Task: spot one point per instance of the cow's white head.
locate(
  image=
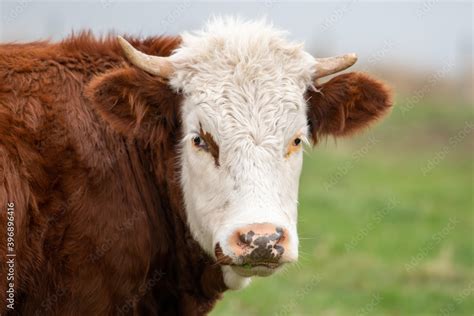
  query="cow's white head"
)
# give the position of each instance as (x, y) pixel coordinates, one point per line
(245, 123)
(250, 102)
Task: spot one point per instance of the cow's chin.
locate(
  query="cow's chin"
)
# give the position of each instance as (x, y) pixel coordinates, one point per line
(258, 270)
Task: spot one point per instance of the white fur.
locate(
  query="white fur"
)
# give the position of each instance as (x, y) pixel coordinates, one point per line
(233, 280)
(244, 83)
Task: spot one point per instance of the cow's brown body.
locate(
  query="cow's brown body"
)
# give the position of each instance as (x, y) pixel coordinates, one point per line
(99, 222)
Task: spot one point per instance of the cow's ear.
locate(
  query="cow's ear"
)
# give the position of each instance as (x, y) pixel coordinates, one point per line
(132, 102)
(346, 104)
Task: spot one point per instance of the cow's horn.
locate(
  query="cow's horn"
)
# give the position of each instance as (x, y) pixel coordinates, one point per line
(331, 65)
(155, 65)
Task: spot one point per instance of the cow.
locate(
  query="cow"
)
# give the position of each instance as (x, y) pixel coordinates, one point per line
(149, 176)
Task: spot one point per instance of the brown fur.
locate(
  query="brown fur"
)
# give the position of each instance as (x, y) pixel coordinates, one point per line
(346, 104)
(212, 145)
(100, 228)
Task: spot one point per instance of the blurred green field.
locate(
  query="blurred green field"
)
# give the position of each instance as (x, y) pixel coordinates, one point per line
(386, 223)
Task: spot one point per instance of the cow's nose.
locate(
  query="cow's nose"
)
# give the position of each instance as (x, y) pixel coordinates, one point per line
(261, 243)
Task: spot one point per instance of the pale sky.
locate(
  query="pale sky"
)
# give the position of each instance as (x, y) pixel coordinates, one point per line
(424, 34)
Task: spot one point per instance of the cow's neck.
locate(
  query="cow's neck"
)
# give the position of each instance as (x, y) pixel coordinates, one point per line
(185, 272)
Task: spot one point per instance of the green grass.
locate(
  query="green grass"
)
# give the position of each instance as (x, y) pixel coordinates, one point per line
(380, 233)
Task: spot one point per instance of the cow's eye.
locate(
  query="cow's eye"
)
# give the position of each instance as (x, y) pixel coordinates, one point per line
(199, 142)
(294, 146)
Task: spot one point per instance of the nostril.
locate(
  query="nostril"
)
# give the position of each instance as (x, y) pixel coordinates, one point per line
(279, 249)
(246, 238)
(278, 236)
(279, 231)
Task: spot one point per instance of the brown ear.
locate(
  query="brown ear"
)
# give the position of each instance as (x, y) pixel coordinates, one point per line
(134, 103)
(346, 104)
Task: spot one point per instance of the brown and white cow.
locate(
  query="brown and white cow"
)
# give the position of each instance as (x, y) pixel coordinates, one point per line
(147, 177)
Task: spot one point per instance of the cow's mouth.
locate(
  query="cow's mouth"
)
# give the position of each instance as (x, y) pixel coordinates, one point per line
(243, 267)
(257, 269)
